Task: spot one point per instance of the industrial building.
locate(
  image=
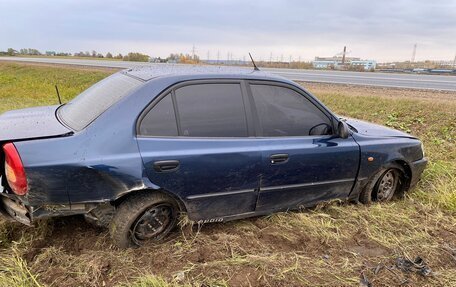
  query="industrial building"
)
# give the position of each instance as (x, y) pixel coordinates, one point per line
(341, 62)
(367, 64)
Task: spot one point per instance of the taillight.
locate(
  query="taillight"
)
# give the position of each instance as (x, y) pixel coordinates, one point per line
(14, 170)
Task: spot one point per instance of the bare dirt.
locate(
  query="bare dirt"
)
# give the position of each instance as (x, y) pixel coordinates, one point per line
(262, 251)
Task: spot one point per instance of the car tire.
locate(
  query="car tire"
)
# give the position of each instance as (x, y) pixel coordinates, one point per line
(143, 217)
(384, 185)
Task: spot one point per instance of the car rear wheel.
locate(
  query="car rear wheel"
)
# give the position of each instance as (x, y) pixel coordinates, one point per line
(382, 187)
(144, 217)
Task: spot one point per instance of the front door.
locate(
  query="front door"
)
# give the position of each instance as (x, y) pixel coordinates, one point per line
(195, 143)
(302, 161)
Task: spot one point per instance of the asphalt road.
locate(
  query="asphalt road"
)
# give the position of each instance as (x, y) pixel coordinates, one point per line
(412, 81)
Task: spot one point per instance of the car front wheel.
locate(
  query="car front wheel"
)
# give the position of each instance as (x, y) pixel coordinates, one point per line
(386, 183)
(144, 217)
(386, 186)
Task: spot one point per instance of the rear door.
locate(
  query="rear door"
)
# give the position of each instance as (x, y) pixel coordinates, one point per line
(195, 143)
(302, 161)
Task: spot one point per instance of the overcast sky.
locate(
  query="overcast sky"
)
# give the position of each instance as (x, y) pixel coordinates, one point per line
(383, 30)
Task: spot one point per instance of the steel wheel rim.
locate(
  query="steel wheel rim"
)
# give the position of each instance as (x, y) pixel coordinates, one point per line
(387, 185)
(154, 221)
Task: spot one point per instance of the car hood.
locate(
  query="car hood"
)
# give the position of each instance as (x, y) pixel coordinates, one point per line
(370, 129)
(39, 122)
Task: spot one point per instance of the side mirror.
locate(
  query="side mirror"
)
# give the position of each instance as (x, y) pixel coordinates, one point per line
(343, 130)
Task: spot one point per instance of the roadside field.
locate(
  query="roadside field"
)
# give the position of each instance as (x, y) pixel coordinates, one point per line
(334, 244)
(66, 57)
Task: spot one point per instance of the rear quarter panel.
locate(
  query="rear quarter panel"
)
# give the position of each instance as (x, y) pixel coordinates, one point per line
(100, 163)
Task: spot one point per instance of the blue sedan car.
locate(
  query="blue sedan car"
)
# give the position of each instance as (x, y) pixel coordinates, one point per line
(144, 145)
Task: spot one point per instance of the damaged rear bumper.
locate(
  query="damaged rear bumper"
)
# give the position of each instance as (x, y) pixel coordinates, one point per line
(12, 208)
(15, 210)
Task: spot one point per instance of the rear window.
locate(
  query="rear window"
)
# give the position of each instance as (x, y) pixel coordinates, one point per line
(91, 103)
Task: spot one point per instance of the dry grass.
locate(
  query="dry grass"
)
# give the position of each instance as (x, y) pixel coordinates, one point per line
(331, 245)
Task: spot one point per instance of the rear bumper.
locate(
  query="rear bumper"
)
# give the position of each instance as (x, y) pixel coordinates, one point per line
(417, 168)
(12, 208)
(15, 210)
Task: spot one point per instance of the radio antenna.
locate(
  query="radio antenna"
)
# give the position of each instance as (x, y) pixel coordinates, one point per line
(58, 94)
(253, 62)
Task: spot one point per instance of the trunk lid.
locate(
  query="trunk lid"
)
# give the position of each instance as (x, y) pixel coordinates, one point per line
(31, 123)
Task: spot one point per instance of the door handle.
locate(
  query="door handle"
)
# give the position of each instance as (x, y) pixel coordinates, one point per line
(166, 165)
(279, 158)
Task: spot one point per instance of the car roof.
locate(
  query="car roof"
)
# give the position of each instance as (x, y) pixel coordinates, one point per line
(154, 71)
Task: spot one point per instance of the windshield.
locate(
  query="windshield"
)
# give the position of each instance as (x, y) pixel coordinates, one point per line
(91, 103)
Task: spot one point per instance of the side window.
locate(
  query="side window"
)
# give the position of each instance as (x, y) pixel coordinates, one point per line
(211, 110)
(284, 112)
(160, 120)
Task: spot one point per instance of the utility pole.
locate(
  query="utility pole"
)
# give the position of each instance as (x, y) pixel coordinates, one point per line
(454, 62)
(290, 60)
(218, 56)
(208, 55)
(270, 58)
(343, 55)
(413, 54)
(193, 52)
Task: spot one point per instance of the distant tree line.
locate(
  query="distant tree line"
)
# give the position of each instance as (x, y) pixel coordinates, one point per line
(29, 51)
(181, 58)
(132, 56)
(137, 57)
(9, 52)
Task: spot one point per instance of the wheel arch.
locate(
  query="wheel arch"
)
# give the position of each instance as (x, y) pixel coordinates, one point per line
(400, 164)
(407, 172)
(178, 200)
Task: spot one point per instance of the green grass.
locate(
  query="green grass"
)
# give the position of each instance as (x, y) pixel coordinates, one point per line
(15, 272)
(24, 86)
(65, 57)
(331, 245)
